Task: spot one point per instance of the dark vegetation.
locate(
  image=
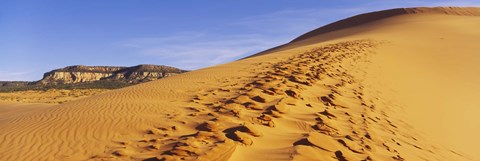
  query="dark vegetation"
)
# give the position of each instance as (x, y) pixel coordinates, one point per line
(102, 84)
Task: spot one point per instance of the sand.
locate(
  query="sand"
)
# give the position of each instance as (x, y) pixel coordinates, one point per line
(399, 88)
(51, 96)
(14, 109)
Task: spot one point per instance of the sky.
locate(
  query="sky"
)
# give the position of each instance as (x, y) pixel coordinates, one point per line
(37, 36)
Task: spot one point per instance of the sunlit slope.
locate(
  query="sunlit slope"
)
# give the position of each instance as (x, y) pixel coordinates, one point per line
(402, 87)
(430, 65)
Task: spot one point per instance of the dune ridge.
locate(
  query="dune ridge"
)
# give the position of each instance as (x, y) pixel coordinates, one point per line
(323, 33)
(375, 16)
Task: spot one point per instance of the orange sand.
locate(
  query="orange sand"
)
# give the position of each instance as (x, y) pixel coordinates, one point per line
(398, 88)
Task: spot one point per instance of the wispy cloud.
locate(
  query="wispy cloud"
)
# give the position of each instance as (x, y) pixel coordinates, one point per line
(200, 49)
(151, 41)
(294, 21)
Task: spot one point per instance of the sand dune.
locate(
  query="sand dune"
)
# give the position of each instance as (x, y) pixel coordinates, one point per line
(12, 109)
(401, 87)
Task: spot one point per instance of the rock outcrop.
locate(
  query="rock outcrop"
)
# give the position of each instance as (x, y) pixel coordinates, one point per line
(79, 76)
(82, 74)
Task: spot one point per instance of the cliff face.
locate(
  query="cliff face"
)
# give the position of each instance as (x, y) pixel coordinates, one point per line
(82, 74)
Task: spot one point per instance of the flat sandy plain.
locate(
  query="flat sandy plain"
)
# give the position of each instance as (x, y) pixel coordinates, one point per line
(400, 85)
(51, 96)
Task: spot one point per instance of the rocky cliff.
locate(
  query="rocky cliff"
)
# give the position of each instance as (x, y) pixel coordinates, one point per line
(82, 74)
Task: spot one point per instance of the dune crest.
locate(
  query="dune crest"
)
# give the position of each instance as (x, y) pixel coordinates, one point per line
(375, 16)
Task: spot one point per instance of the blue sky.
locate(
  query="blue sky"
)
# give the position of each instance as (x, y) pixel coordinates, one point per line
(40, 35)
